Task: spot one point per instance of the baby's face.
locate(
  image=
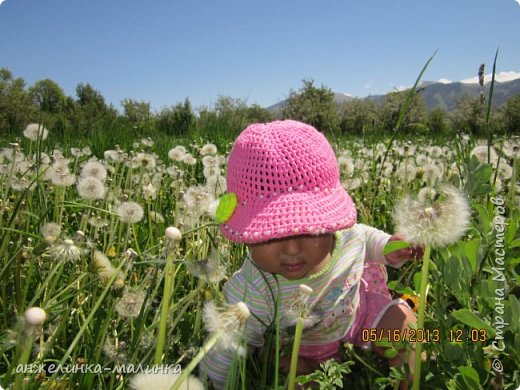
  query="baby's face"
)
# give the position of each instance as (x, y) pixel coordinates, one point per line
(293, 257)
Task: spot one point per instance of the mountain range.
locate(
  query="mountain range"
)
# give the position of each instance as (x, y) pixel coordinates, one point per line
(441, 95)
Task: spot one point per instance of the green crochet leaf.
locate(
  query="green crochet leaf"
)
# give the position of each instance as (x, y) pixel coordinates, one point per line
(226, 207)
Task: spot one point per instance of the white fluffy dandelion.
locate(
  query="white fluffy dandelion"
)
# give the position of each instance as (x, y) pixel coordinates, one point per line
(130, 304)
(145, 160)
(188, 159)
(209, 270)
(208, 149)
(198, 198)
(227, 323)
(177, 153)
(90, 188)
(149, 191)
(66, 251)
(130, 212)
(160, 379)
(50, 231)
(93, 168)
(172, 234)
(35, 316)
(436, 223)
(103, 266)
(211, 161)
(33, 130)
(216, 185)
(481, 153)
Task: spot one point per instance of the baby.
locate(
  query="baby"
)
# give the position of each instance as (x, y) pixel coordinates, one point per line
(299, 225)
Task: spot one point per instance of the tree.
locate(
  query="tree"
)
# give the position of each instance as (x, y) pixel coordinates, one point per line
(469, 116)
(437, 121)
(16, 106)
(137, 113)
(358, 116)
(48, 96)
(511, 116)
(312, 105)
(90, 110)
(413, 120)
(177, 120)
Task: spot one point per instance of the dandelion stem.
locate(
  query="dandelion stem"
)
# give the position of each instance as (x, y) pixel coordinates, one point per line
(294, 355)
(91, 315)
(195, 361)
(168, 282)
(24, 358)
(420, 320)
(277, 345)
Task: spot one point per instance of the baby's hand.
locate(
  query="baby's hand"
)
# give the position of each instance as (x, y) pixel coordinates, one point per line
(398, 256)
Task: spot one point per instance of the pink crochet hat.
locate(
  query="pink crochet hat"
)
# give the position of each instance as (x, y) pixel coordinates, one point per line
(286, 179)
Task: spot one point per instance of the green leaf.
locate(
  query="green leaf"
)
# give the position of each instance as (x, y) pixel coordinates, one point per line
(391, 353)
(470, 253)
(467, 317)
(470, 377)
(485, 220)
(514, 305)
(479, 177)
(515, 243)
(393, 246)
(399, 288)
(452, 351)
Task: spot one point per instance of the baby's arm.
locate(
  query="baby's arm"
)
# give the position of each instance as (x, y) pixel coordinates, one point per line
(375, 242)
(218, 361)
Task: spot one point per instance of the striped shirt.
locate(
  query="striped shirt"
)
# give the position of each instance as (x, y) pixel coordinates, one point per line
(332, 304)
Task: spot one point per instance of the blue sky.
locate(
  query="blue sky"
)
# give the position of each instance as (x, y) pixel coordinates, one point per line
(165, 51)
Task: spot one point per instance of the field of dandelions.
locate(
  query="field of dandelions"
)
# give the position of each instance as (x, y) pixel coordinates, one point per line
(116, 259)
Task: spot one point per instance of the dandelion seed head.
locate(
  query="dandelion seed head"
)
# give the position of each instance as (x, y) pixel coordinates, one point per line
(113, 155)
(147, 142)
(228, 321)
(145, 160)
(33, 129)
(481, 153)
(94, 168)
(172, 233)
(346, 164)
(505, 171)
(209, 269)
(211, 161)
(35, 316)
(208, 149)
(188, 159)
(210, 172)
(103, 266)
(90, 188)
(161, 379)
(197, 198)
(129, 305)
(63, 180)
(177, 153)
(130, 212)
(156, 217)
(98, 222)
(436, 223)
(50, 231)
(216, 185)
(66, 251)
(149, 192)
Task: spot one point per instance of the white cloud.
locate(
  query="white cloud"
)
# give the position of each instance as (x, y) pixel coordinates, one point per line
(518, 1)
(501, 77)
(402, 88)
(446, 81)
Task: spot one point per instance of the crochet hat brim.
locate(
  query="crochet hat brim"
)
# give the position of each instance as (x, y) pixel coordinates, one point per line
(290, 214)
